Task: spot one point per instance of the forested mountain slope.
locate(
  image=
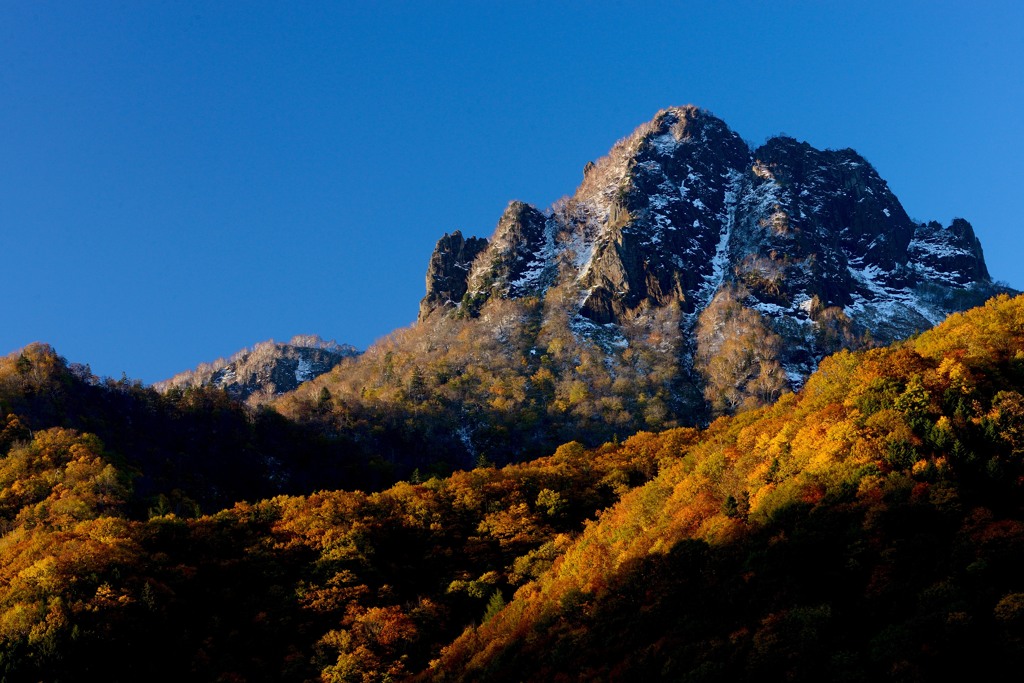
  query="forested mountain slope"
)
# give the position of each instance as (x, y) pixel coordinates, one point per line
(197, 447)
(870, 526)
(343, 584)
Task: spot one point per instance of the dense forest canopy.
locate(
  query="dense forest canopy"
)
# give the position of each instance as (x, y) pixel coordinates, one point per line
(870, 526)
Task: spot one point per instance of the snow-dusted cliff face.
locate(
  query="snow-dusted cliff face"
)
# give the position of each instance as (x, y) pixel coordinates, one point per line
(266, 370)
(683, 208)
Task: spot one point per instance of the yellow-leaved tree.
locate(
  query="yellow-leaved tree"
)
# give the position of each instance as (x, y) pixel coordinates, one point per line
(737, 354)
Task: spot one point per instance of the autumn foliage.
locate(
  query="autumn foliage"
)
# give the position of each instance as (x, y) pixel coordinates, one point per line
(870, 527)
(342, 585)
(511, 383)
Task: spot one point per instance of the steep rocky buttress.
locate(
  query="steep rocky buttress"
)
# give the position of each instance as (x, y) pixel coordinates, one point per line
(448, 272)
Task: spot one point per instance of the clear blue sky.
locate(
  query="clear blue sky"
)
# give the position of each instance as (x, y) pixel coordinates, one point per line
(179, 180)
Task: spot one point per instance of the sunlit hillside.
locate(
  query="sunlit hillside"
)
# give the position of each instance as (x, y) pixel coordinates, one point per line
(871, 527)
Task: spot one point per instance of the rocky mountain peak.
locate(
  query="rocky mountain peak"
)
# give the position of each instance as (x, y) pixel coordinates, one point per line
(665, 217)
(671, 133)
(682, 209)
